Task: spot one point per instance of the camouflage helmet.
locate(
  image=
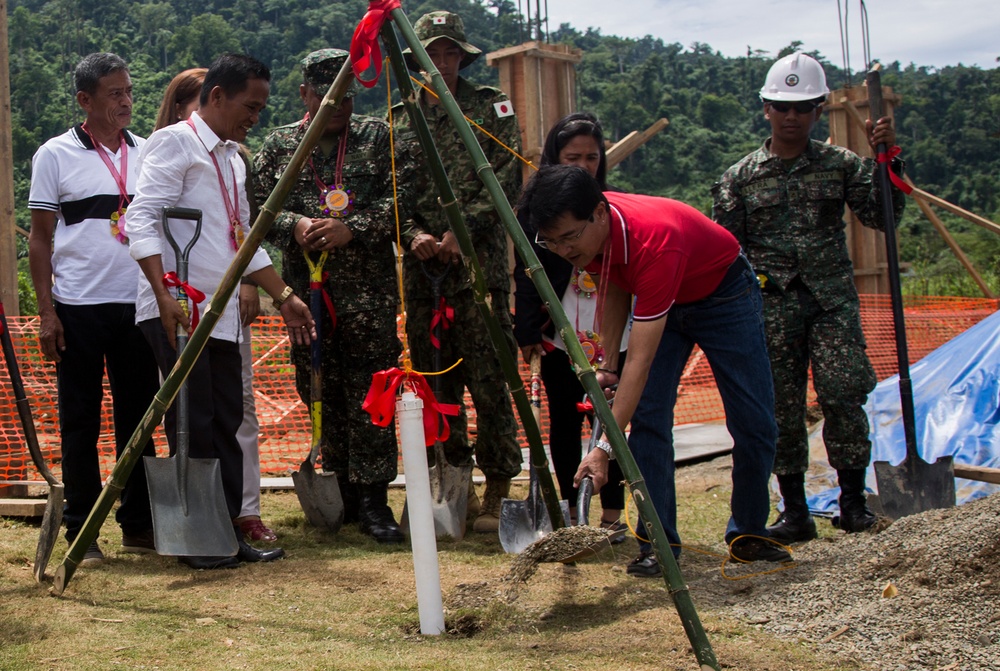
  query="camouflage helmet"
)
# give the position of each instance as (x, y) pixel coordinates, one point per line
(321, 67)
(435, 25)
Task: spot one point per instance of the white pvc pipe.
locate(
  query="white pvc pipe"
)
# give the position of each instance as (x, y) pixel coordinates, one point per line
(410, 411)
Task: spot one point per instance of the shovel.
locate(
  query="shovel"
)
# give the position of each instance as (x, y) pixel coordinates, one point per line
(524, 522)
(319, 493)
(449, 484)
(52, 518)
(914, 485)
(190, 517)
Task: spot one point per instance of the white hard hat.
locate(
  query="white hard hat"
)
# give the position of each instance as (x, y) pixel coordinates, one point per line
(795, 77)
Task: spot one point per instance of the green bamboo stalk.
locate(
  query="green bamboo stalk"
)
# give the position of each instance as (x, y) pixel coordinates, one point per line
(199, 337)
(585, 372)
(508, 362)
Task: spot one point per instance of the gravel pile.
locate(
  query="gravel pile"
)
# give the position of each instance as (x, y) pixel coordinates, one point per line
(923, 593)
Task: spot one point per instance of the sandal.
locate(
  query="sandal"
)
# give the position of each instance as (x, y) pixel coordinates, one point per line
(255, 530)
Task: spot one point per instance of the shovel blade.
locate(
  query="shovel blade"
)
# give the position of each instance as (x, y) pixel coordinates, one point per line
(49, 533)
(449, 498)
(320, 497)
(915, 486)
(524, 522)
(206, 530)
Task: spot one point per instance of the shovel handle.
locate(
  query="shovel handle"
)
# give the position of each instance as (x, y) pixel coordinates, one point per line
(316, 352)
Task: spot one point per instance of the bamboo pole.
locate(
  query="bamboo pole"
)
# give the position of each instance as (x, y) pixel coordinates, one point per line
(671, 573)
(8, 237)
(199, 338)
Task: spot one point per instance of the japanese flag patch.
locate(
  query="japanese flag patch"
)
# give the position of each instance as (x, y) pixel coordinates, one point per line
(504, 108)
(439, 20)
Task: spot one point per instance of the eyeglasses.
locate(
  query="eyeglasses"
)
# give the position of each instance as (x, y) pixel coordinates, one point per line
(801, 107)
(564, 241)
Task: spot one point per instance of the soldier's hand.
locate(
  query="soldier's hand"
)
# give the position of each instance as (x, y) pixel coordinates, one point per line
(327, 234)
(51, 337)
(881, 132)
(449, 251)
(425, 246)
(298, 319)
(249, 304)
(528, 350)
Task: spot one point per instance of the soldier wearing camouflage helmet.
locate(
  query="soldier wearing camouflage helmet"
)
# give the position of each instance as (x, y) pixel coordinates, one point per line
(431, 245)
(342, 203)
(785, 203)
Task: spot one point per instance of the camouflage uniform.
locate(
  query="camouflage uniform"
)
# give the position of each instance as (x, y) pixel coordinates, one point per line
(789, 221)
(359, 277)
(497, 451)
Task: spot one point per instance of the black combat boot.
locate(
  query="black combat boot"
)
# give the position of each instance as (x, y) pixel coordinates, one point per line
(795, 524)
(375, 516)
(349, 494)
(854, 513)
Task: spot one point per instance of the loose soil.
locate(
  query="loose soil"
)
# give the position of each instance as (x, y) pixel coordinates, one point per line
(345, 602)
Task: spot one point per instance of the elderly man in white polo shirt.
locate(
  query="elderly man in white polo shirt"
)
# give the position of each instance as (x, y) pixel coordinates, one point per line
(81, 184)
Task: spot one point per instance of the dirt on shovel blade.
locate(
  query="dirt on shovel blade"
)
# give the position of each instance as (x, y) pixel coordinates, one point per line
(554, 547)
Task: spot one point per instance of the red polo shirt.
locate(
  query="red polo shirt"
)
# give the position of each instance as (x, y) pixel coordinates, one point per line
(663, 251)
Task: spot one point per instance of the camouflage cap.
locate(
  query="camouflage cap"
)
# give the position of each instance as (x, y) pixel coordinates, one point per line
(321, 67)
(435, 25)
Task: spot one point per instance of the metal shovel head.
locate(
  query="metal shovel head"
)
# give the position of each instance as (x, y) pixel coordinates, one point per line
(205, 530)
(49, 533)
(449, 498)
(593, 548)
(915, 486)
(524, 522)
(320, 498)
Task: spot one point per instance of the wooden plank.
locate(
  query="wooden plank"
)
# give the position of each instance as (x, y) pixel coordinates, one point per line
(955, 209)
(978, 473)
(22, 507)
(628, 144)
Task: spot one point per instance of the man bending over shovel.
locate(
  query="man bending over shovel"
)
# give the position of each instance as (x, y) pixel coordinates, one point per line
(195, 165)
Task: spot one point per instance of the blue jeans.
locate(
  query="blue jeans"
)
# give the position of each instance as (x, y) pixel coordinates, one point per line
(729, 328)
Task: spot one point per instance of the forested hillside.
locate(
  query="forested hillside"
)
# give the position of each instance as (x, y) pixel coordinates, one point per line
(948, 124)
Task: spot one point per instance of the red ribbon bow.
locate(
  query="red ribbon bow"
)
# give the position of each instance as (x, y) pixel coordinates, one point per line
(886, 157)
(365, 50)
(327, 300)
(585, 406)
(443, 314)
(380, 403)
(196, 296)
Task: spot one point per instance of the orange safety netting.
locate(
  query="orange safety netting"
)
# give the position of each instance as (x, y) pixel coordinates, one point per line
(284, 419)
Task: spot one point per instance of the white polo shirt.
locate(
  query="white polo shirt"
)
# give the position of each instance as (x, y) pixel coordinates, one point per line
(68, 177)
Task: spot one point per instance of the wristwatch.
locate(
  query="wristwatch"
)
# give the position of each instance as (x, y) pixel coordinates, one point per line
(285, 295)
(605, 447)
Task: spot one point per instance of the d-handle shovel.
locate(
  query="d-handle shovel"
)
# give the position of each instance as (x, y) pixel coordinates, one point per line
(914, 485)
(52, 518)
(190, 517)
(319, 493)
(449, 484)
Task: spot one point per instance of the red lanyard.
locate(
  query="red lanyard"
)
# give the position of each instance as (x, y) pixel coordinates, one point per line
(232, 208)
(121, 179)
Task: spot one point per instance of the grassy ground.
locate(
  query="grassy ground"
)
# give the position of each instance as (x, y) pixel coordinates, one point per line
(343, 602)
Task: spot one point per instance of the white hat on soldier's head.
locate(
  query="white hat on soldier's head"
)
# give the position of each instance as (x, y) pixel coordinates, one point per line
(795, 77)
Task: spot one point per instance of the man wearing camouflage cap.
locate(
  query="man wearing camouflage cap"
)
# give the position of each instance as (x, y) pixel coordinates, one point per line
(431, 246)
(342, 203)
(785, 203)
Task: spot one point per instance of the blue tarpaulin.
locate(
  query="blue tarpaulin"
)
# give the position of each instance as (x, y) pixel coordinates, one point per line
(956, 399)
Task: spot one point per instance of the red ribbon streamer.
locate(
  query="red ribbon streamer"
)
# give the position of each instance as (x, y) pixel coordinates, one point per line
(886, 157)
(585, 406)
(327, 300)
(445, 315)
(196, 296)
(365, 50)
(380, 403)
(2, 321)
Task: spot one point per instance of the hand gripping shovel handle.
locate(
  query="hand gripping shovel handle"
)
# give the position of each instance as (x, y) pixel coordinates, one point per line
(587, 485)
(316, 353)
(183, 421)
(873, 81)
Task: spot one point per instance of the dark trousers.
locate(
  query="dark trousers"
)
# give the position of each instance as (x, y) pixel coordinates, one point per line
(215, 399)
(564, 391)
(98, 338)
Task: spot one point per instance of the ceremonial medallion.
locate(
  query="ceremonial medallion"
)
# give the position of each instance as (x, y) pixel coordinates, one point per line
(592, 348)
(337, 201)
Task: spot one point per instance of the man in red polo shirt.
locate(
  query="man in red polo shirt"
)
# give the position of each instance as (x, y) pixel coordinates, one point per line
(692, 286)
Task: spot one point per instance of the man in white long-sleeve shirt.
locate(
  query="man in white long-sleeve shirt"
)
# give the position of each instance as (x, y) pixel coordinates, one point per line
(194, 164)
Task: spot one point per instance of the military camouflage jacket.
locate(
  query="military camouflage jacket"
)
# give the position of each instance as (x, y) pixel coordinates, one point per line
(362, 274)
(488, 234)
(790, 220)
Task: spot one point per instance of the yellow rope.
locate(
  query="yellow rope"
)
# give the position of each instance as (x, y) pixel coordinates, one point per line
(478, 127)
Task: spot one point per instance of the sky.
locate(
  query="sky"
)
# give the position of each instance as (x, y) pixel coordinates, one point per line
(925, 32)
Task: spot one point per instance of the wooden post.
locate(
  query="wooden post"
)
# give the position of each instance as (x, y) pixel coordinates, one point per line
(8, 234)
(540, 79)
(865, 245)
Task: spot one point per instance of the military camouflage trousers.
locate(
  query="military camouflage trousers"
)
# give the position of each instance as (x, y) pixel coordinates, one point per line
(362, 344)
(800, 333)
(467, 338)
